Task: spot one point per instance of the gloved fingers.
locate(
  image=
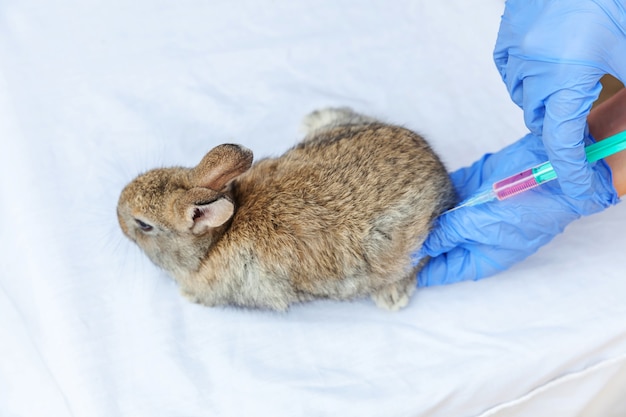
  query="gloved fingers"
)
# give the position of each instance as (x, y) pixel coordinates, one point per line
(459, 264)
(441, 239)
(520, 223)
(556, 109)
(564, 126)
(451, 228)
(456, 228)
(517, 20)
(473, 254)
(469, 179)
(477, 242)
(523, 154)
(604, 192)
(447, 268)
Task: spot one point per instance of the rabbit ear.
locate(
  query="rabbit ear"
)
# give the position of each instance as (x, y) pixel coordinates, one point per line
(210, 214)
(222, 164)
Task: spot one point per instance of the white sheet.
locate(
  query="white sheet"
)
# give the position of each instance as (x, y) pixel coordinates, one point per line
(91, 93)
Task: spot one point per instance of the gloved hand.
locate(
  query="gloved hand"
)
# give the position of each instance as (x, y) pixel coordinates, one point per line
(551, 55)
(474, 242)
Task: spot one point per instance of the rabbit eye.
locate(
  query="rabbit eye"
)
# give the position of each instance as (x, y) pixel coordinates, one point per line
(143, 225)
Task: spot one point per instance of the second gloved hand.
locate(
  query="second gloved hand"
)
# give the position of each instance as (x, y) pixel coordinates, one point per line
(475, 242)
(551, 55)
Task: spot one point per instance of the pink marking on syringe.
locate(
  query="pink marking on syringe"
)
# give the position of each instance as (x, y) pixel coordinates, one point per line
(515, 184)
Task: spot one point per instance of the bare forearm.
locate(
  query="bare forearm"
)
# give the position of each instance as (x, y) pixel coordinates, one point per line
(606, 120)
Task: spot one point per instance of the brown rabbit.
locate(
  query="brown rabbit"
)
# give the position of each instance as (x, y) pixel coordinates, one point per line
(337, 216)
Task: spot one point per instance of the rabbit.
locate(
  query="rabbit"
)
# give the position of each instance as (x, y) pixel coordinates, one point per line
(336, 217)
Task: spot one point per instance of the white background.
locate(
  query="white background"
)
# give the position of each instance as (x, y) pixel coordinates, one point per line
(94, 92)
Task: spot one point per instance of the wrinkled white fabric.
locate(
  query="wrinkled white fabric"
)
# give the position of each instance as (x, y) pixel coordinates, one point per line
(94, 92)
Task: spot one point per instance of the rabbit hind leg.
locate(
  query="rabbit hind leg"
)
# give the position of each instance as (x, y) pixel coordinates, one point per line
(396, 295)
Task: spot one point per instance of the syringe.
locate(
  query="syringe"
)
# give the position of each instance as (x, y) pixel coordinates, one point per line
(533, 177)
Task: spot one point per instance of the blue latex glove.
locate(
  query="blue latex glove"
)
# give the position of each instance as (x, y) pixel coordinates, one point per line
(474, 242)
(551, 55)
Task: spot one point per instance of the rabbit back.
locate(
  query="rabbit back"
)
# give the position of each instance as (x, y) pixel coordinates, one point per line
(338, 215)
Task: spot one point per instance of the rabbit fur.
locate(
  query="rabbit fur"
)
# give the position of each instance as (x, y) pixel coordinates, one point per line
(337, 216)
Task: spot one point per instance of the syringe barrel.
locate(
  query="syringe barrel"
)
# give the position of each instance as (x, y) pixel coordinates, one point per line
(524, 181)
